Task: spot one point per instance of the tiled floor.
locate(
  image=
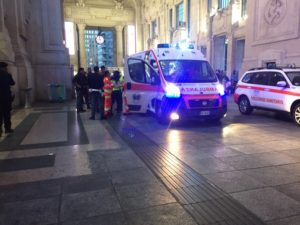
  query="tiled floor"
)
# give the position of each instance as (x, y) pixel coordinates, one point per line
(59, 167)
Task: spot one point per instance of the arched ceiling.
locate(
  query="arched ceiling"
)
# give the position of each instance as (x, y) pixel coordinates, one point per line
(104, 13)
(104, 3)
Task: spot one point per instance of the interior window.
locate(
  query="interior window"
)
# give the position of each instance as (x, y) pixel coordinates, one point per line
(136, 70)
(140, 71)
(294, 77)
(260, 78)
(247, 78)
(274, 78)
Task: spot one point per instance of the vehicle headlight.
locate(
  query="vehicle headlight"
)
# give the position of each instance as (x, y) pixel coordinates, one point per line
(172, 91)
(221, 89)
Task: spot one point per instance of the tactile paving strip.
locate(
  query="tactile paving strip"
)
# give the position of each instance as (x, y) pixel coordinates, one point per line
(208, 204)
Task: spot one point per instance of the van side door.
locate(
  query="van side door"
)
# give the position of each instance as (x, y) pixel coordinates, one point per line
(141, 85)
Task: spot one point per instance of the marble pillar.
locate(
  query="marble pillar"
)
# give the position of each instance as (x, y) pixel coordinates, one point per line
(119, 30)
(139, 31)
(81, 30)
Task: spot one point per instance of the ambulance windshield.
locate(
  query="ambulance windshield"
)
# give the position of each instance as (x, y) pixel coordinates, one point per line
(187, 71)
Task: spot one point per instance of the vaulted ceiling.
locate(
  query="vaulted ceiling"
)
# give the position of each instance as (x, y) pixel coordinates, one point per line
(104, 3)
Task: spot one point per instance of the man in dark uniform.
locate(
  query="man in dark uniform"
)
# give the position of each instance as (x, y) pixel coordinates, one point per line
(6, 99)
(81, 83)
(96, 84)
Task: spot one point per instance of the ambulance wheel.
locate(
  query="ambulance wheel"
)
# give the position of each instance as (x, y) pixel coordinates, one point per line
(296, 114)
(244, 106)
(160, 115)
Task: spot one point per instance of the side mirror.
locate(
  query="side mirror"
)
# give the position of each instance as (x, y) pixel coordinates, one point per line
(281, 84)
(128, 85)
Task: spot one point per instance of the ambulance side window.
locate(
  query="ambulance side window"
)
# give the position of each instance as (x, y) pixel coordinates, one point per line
(136, 70)
(247, 78)
(260, 78)
(140, 72)
(274, 78)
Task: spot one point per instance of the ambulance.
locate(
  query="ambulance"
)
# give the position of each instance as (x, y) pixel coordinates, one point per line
(174, 83)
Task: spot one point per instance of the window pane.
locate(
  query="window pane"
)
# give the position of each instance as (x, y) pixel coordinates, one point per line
(294, 77)
(223, 4)
(274, 78)
(179, 13)
(244, 7)
(136, 70)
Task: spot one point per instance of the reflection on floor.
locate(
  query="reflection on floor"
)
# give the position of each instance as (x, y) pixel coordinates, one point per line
(59, 167)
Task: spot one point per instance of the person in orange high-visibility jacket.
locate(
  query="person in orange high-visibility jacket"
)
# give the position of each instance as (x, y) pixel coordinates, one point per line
(107, 94)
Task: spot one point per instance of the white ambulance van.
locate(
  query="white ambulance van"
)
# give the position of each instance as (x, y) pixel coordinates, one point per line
(174, 83)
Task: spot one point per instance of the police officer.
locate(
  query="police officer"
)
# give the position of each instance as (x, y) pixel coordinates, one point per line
(81, 83)
(6, 99)
(96, 84)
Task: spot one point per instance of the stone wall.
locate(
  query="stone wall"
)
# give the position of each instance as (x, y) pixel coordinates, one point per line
(269, 29)
(273, 33)
(31, 41)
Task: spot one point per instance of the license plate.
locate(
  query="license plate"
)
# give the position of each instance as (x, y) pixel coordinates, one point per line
(204, 113)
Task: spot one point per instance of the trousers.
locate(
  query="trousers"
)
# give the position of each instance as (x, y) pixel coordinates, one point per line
(5, 116)
(97, 103)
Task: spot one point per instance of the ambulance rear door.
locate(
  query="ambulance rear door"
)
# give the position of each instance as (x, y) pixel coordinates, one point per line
(142, 85)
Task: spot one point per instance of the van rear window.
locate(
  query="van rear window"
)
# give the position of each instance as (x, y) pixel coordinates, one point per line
(187, 71)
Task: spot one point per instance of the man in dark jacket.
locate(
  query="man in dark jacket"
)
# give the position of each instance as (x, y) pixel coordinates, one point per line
(6, 99)
(96, 84)
(81, 83)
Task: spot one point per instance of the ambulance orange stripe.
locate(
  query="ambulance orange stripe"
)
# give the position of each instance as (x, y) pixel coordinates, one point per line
(269, 90)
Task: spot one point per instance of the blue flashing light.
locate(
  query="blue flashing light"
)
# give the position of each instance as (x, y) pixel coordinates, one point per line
(163, 46)
(184, 45)
(172, 91)
(221, 89)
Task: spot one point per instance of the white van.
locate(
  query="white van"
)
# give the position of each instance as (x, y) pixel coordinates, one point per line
(173, 83)
(276, 89)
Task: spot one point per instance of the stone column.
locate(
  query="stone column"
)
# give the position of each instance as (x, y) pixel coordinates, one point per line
(1, 16)
(81, 30)
(138, 30)
(119, 45)
(230, 54)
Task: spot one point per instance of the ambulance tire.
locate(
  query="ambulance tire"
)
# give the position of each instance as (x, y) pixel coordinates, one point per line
(245, 107)
(160, 115)
(296, 114)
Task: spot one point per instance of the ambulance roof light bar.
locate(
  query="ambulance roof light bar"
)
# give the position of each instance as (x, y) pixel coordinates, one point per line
(163, 45)
(180, 45)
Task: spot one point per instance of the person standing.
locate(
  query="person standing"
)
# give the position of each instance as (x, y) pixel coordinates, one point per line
(107, 94)
(96, 84)
(81, 83)
(6, 81)
(117, 86)
(103, 69)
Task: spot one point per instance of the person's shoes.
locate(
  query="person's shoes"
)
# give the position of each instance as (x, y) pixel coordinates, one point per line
(92, 118)
(8, 131)
(103, 118)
